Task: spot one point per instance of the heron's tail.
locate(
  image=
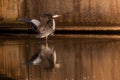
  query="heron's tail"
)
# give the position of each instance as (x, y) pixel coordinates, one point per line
(24, 19)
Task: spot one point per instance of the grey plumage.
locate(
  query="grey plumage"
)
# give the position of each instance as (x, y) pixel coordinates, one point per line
(43, 27)
(33, 22)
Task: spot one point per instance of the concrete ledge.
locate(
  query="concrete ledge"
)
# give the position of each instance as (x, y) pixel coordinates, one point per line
(88, 28)
(75, 28)
(58, 36)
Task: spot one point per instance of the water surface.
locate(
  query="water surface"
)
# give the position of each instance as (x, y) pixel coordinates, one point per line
(79, 59)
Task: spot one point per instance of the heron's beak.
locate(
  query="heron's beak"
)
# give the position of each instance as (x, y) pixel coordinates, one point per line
(54, 16)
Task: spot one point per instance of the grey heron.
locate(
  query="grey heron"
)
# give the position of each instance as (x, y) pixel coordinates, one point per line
(44, 29)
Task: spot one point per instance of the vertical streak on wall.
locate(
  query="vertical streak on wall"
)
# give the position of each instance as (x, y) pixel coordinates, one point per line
(84, 10)
(25, 8)
(20, 7)
(35, 8)
(32, 7)
(9, 9)
(29, 8)
(0, 8)
(118, 6)
(114, 10)
(3, 10)
(92, 7)
(77, 4)
(12, 9)
(40, 7)
(118, 11)
(108, 15)
(105, 12)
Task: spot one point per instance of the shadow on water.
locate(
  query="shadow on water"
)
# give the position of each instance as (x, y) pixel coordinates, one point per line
(4, 77)
(60, 59)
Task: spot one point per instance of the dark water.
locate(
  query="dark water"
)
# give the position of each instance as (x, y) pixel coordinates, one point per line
(78, 59)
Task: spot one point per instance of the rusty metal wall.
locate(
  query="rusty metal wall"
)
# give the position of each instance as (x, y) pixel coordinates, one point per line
(74, 12)
(11, 9)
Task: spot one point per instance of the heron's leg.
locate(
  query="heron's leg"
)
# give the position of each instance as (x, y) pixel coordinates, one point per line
(46, 38)
(55, 58)
(46, 42)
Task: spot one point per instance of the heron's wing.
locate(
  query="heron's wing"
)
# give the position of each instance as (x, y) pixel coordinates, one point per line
(35, 57)
(35, 23)
(24, 19)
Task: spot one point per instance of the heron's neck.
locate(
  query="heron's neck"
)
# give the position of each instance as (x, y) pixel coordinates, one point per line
(53, 27)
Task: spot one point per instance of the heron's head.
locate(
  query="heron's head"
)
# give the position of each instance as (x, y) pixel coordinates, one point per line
(52, 15)
(55, 16)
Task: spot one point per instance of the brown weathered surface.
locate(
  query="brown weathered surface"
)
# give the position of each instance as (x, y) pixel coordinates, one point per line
(12, 57)
(80, 59)
(11, 9)
(74, 12)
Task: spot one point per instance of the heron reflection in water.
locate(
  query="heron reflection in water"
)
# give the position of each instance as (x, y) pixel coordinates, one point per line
(44, 27)
(45, 56)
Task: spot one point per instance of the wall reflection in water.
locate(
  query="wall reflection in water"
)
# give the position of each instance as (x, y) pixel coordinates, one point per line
(61, 59)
